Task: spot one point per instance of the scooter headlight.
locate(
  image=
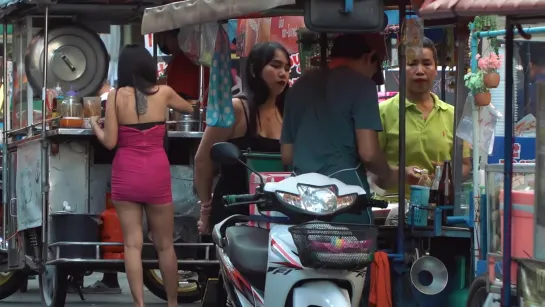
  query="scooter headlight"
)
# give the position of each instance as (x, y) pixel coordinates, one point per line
(317, 200)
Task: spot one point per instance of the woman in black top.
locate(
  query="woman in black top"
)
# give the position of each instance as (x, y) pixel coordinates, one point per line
(258, 124)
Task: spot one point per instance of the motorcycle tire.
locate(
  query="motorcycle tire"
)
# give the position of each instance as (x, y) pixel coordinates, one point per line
(153, 282)
(11, 283)
(477, 292)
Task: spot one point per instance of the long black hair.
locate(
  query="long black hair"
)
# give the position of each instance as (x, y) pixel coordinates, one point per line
(257, 89)
(137, 69)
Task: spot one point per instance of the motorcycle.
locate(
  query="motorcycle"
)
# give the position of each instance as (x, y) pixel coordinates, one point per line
(308, 262)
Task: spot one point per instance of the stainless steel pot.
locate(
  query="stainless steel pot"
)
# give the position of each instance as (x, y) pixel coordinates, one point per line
(185, 122)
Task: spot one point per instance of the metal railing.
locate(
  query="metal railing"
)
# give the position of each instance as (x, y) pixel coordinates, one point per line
(98, 260)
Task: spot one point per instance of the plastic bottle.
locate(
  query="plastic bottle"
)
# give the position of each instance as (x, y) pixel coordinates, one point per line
(425, 179)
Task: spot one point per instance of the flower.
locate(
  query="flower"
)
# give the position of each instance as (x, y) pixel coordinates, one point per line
(490, 63)
(474, 82)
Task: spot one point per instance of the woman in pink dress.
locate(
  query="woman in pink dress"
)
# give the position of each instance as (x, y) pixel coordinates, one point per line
(135, 124)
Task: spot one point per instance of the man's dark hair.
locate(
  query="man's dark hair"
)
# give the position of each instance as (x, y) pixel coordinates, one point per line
(429, 44)
(350, 46)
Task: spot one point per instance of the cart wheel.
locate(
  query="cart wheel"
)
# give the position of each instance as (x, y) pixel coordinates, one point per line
(477, 292)
(188, 288)
(10, 282)
(53, 286)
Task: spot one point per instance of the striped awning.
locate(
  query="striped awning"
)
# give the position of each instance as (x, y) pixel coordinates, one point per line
(432, 9)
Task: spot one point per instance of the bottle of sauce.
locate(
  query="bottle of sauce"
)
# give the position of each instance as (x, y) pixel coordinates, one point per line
(434, 191)
(55, 106)
(446, 191)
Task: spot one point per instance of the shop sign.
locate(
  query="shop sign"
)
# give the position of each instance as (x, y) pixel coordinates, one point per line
(524, 150)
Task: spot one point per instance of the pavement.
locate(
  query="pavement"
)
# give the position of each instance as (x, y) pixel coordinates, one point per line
(32, 296)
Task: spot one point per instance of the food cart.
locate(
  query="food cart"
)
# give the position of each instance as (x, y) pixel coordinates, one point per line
(56, 176)
(514, 263)
(402, 242)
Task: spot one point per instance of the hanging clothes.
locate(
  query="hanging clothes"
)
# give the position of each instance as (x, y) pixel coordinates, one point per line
(219, 111)
(381, 287)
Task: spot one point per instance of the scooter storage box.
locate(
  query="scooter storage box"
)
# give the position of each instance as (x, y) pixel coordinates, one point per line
(75, 227)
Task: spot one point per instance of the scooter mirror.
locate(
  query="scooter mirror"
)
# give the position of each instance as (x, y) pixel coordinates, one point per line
(225, 153)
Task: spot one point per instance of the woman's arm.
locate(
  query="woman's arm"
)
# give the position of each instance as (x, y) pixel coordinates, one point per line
(204, 168)
(176, 102)
(108, 136)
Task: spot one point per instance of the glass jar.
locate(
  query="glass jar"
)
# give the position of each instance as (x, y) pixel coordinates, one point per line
(91, 107)
(71, 111)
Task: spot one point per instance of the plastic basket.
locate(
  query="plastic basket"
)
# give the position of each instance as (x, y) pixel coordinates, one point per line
(418, 214)
(335, 245)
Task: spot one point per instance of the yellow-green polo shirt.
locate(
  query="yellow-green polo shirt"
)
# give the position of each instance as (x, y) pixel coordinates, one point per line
(426, 141)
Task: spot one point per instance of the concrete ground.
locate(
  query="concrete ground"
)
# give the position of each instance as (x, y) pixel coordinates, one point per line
(32, 296)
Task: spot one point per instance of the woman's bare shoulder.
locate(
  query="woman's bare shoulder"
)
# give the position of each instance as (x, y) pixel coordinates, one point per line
(164, 89)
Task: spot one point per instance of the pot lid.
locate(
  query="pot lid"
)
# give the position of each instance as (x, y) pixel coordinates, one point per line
(77, 58)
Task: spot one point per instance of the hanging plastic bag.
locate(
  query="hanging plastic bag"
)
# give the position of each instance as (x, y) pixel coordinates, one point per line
(488, 119)
(198, 42)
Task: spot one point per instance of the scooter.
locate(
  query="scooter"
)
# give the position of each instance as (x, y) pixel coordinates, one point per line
(308, 262)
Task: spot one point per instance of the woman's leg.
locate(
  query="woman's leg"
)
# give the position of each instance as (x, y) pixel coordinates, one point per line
(130, 216)
(161, 221)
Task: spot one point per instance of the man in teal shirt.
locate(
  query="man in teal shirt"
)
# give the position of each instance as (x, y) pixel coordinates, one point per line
(331, 117)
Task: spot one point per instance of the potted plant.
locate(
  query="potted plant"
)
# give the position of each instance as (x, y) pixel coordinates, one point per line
(475, 82)
(490, 65)
(486, 23)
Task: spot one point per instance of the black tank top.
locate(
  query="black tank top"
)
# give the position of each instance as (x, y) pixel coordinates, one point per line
(141, 126)
(233, 179)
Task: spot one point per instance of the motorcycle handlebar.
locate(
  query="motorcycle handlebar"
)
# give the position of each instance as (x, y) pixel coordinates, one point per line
(231, 199)
(376, 203)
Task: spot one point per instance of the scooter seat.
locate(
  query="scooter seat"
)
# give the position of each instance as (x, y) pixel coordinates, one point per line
(247, 248)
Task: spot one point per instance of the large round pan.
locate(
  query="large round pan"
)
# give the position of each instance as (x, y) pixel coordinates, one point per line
(77, 59)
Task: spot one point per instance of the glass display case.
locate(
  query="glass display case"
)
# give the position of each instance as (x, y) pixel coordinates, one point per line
(522, 217)
(523, 181)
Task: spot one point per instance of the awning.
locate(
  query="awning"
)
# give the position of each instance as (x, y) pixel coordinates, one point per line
(190, 12)
(432, 9)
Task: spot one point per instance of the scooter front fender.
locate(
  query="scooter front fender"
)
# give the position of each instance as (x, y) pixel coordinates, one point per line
(320, 293)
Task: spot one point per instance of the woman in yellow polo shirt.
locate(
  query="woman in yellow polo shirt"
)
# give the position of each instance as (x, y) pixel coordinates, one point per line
(429, 134)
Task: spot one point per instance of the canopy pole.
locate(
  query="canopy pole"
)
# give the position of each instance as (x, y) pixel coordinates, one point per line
(401, 144)
(44, 147)
(5, 116)
(508, 166)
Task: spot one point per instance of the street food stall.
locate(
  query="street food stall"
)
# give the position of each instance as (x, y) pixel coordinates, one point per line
(448, 242)
(57, 218)
(513, 262)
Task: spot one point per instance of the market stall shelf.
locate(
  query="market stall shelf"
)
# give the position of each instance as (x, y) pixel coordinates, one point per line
(56, 181)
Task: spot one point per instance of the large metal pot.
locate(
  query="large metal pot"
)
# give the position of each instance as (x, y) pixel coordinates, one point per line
(185, 122)
(77, 59)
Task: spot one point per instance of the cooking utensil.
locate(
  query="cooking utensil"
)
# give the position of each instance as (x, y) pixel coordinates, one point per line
(77, 59)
